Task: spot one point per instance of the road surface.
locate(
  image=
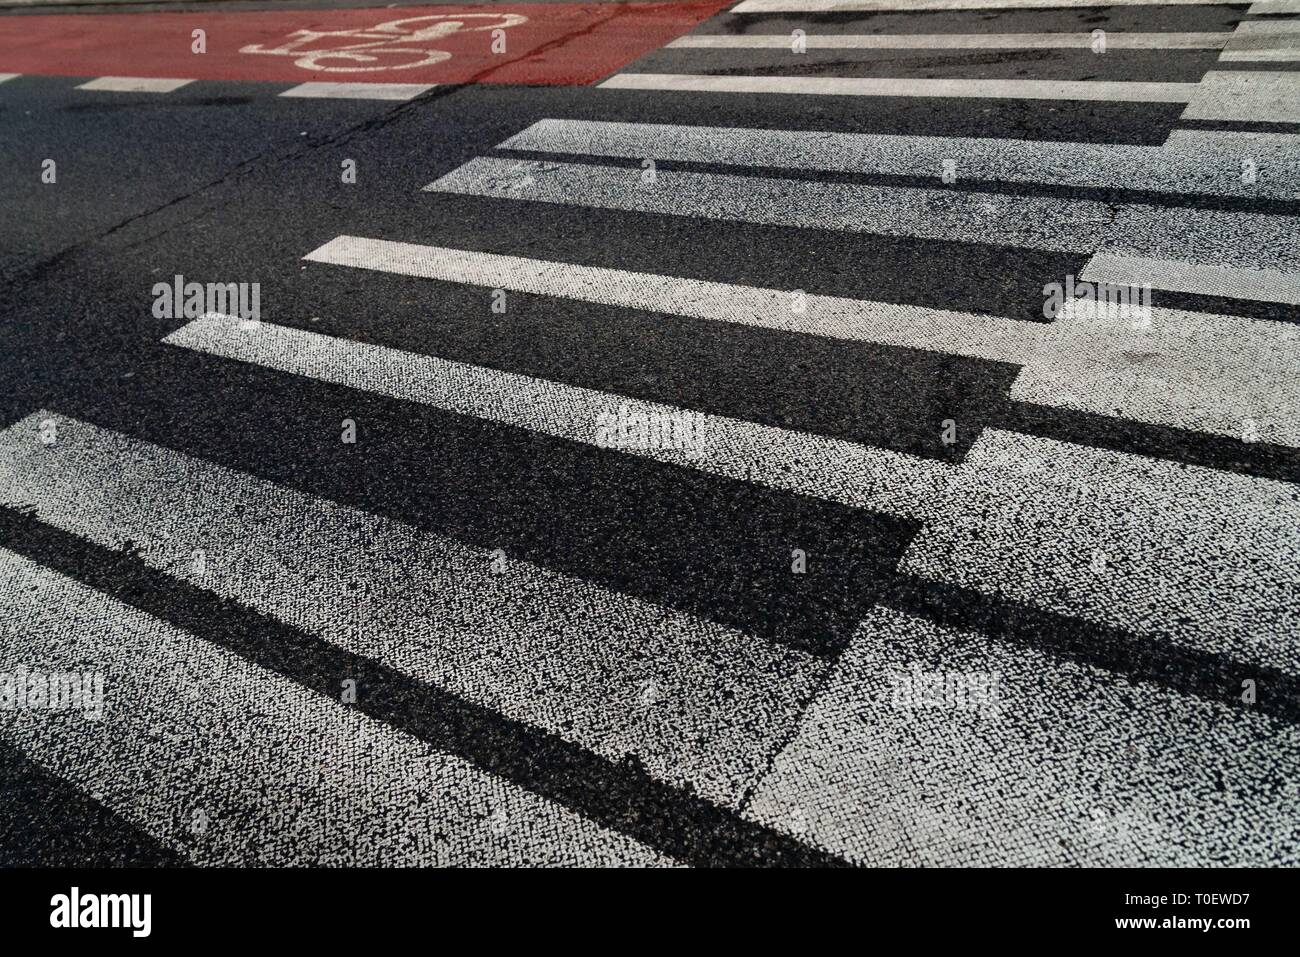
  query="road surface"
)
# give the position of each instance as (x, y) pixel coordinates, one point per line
(799, 432)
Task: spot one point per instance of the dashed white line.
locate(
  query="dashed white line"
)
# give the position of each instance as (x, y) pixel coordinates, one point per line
(134, 84)
(359, 91)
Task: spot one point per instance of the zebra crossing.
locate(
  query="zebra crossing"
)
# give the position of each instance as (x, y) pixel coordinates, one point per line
(483, 634)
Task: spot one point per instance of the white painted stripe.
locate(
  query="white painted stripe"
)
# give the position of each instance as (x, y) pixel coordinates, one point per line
(1115, 40)
(1207, 279)
(1247, 95)
(1202, 556)
(1073, 767)
(938, 330)
(810, 464)
(1083, 226)
(1260, 7)
(1189, 162)
(1119, 91)
(360, 91)
(134, 84)
(1223, 375)
(833, 6)
(1031, 222)
(700, 705)
(231, 764)
(9, 76)
(1204, 372)
(1256, 40)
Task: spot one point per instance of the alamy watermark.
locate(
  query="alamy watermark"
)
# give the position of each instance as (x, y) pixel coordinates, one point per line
(25, 690)
(179, 299)
(638, 430)
(1103, 301)
(950, 690)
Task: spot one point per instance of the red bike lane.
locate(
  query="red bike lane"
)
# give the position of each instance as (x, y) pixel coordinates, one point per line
(548, 44)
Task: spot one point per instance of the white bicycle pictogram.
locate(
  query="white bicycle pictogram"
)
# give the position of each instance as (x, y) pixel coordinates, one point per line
(383, 42)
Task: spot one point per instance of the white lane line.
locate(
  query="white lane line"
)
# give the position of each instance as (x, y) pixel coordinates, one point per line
(1030, 222)
(956, 41)
(1118, 91)
(1203, 557)
(1260, 40)
(1259, 241)
(1067, 766)
(828, 468)
(1190, 553)
(834, 6)
(719, 701)
(1189, 162)
(360, 91)
(9, 76)
(1209, 373)
(1182, 538)
(937, 330)
(134, 84)
(1247, 95)
(1206, 279)
(231, 764)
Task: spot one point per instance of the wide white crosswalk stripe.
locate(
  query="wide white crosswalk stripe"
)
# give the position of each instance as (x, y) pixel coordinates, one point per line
(1256, 40)
(134, 84)
(1238, 282)
(1206, 372)
(833, 6)
(1254, 95)
(359, 91)
(795, 461)
(954, 41)
(1205, 557)
(1256, 241)
(1072, 767)
(1224, 375)
(1190, 161)
(1116, 91)
(234, 765)
(699, 704)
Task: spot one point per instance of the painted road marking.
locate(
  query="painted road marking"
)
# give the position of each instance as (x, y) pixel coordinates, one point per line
(1203, 557)
(1256, 241)
(1204, 372)
(9, 76)
(1264, 40)
(360, 91)
(433, 608)
(134, 84)
(1206, 279)
(1147, 545)
(1266, 97)
(1120, 91)
(1067, 767)
(1191, 161)
(560, 43)
(816, 465)
(957, 41)
(231, 764)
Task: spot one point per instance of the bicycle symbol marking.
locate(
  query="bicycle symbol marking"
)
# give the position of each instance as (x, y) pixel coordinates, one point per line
(402, 39)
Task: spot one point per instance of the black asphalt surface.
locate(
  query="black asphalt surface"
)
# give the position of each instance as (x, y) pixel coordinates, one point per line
(228, 182)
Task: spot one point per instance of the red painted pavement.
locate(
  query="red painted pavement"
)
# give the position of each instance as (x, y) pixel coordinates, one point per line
(571, 43)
